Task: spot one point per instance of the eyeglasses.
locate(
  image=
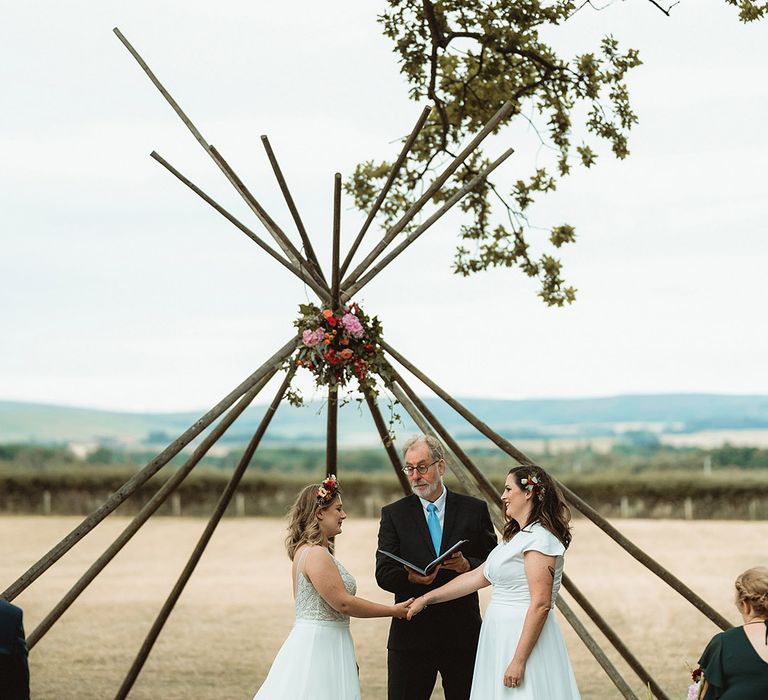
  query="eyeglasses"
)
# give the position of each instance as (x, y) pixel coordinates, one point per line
(421, 468)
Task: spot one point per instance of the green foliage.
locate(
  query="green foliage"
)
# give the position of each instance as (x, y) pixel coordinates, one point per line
(468, 57)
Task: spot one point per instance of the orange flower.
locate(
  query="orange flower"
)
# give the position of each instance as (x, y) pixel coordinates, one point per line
(327, 313)
(346, 354)
(344, 341)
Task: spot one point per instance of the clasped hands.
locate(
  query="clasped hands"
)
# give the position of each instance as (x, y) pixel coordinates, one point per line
(456, 562)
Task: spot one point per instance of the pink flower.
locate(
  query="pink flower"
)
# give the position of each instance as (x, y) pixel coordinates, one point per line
(312, 338)
(353, 325)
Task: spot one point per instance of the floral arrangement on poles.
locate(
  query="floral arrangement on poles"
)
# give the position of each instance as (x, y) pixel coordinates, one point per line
(338, 346)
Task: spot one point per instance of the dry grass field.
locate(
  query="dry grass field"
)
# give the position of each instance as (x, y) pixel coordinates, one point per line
(237, 608)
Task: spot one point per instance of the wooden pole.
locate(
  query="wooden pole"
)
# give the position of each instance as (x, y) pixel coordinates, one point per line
(493, 123)
(332, 445)
(613, 638)
(310, 251)
(374, 270)
(281, 240)
(269, 223)
(386, 440)
(301, 274)
(144, 514)
(202, 543)
(387, 185)
(336, 242)
(589, 642)
(141, 477)
(581, 505)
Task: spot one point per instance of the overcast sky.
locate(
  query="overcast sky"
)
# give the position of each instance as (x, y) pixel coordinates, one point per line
(119, 288)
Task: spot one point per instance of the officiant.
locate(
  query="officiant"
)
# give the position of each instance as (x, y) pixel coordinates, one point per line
(418, 528)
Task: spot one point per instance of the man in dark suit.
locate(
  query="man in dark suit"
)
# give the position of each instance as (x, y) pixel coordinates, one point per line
(418, 528)
(14, 671)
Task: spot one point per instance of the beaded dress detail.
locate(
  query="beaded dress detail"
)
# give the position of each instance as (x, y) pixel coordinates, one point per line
(309, 604)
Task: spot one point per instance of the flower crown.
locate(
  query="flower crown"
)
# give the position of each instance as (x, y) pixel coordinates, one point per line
(531, 483)
(327, 490)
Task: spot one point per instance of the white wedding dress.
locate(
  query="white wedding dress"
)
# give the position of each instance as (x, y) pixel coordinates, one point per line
(548, 673)
(317, 660)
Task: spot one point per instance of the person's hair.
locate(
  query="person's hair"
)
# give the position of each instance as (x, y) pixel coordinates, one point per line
(303, 525)
(548, 506)
(752, 588)
(436, 450)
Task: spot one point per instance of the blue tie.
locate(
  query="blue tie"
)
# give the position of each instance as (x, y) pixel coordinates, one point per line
(433, 523)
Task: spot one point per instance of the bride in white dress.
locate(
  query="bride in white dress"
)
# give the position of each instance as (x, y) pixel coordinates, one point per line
(521, 654)
(317, 660)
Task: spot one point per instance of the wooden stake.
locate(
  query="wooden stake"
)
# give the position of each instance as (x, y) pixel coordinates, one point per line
(331, 445)
(202, 543)
(493, 123)
(577, 502)
(141, 477)
(595, 650)
(614, 639)
(311, 256)
(386, 440)
(387, 185)
(357, 286)
(144, 514)
(301, 274)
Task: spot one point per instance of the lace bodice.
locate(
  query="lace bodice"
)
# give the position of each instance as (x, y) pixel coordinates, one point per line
(311, 606)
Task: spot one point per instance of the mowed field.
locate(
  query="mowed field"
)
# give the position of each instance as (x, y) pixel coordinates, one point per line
(238, 607)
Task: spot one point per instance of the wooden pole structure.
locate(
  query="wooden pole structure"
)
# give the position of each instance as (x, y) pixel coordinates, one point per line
(145, 513)
(301, 274)
(335, 279)
(202, 543)
(281, 240)
(374, 270)
(493, 123)
(141, 477)
(387, 185)
(386, 441)
(614, 639)
(308, 249)
(581, 505)
(594, 648)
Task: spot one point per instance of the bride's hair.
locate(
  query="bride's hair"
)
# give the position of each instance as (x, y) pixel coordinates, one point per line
(303, 525)
(548, 506)
(752, 588)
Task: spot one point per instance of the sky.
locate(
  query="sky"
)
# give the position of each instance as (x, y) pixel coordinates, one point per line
(120, 289)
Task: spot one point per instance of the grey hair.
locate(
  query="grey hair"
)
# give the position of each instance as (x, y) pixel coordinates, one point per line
(436, 450)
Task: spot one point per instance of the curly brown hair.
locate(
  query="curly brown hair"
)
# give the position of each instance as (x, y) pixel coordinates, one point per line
(303, 525)
(548, 505)
(752, 588)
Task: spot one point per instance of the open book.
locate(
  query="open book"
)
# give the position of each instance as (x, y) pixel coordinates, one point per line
(425, 571)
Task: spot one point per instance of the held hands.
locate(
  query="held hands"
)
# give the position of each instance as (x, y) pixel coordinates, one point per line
(416, 607)
(513, 676)
(400, 610)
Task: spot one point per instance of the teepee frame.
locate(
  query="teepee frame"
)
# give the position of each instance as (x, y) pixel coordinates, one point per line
(307, 268)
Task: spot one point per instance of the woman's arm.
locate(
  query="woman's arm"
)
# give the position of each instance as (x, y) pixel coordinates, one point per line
(465, 584)
(324, 575)
(539, 570)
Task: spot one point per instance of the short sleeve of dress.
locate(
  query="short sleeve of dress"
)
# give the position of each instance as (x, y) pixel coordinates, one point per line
(711, 663)
(542, 540)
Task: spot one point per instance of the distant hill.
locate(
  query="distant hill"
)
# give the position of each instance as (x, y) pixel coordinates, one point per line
(523, 419)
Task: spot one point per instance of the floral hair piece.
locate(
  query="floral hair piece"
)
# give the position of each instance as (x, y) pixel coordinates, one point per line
(531, 483)
(327, 491)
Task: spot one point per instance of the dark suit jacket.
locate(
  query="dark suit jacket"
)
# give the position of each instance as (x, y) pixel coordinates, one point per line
(403, 531)
(14, 671)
